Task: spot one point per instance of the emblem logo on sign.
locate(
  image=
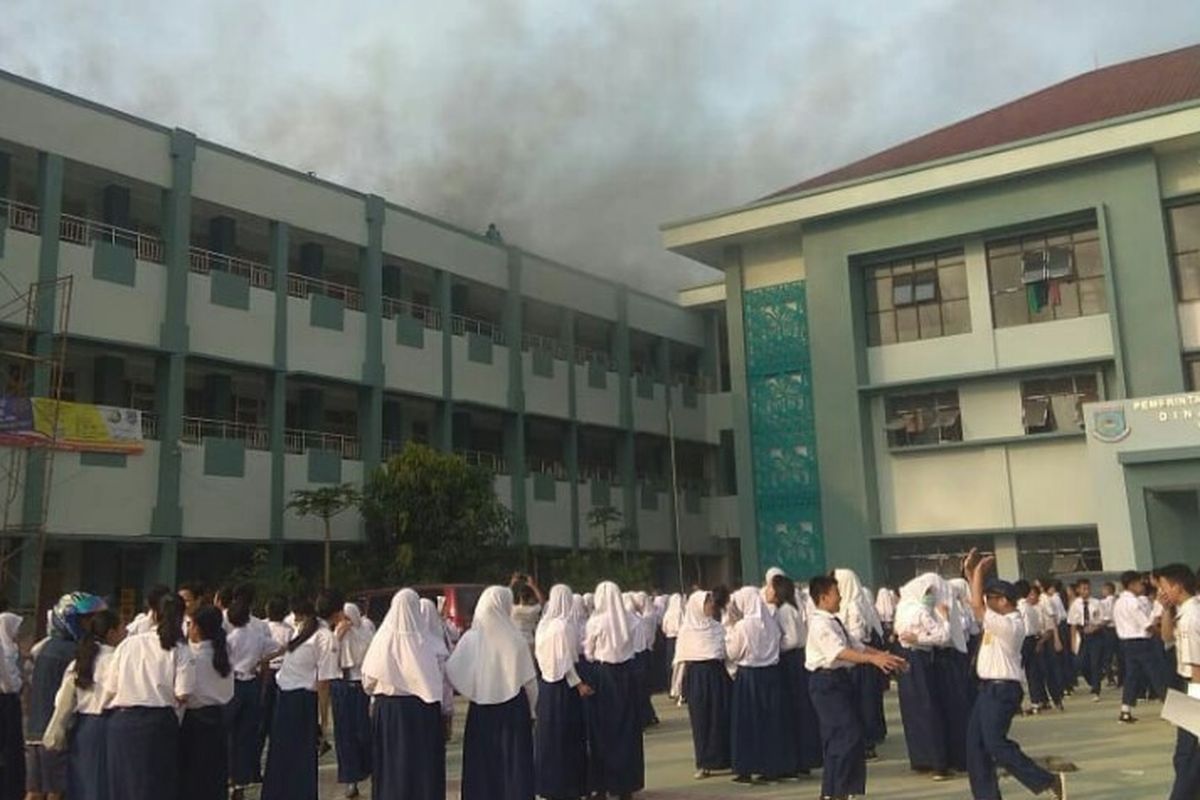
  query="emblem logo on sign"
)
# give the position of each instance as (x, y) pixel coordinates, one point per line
(1110, 425)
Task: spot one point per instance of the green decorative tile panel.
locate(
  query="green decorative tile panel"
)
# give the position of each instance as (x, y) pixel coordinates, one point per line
(543, 363)
(545, 488)
(783, 439)
(114, 263)
(225, 458)
(324, 466)
(600, 492)
(229, 290)
(326, 312)
(644, 386)
(597, 375)
(410, 331)
(115, 460)
(479, 348)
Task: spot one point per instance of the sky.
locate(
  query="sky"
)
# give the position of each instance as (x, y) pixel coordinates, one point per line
(577, 126)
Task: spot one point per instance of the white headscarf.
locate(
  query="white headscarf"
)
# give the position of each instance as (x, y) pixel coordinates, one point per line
(754, 639)
(579, 618)
(857, 611)
(885, 604)
(357, 639)
(435, 627)
(402, 658)
(638, 630)
(701, 638)
(492, 662)
(770, 576)
(556, 645)
(10, 624)
(673, 616)
(611, 630)
(911, 610)
(962, 618)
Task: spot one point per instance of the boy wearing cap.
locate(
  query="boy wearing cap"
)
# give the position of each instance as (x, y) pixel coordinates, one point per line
(999, 699)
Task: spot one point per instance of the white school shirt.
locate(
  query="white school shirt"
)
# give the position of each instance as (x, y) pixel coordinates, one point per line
(142, 623)
(1095, 615)
(143, 674)
(315, 660)
(1106, 608)
(1131, 616)
(1187, 638)
(929, 628)
(827, 637)
(1031, 617)
(95, 700)
(792, 625)
(248, 646)
(1053, 609)
(281, 634)
(211, 689)
(1000, 650)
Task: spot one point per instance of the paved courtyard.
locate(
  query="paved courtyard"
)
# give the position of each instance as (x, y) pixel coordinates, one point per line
(1115, 762)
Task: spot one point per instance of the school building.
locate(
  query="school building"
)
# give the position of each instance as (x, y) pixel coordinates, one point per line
(988, 335)
(279, 332)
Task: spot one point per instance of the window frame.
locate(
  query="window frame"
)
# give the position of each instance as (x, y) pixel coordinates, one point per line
(932, 404)
(1069, 284)
(1052, 424)
(1174, 251)
(914, 307)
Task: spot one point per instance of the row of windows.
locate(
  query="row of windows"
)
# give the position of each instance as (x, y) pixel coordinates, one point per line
(1048, 405)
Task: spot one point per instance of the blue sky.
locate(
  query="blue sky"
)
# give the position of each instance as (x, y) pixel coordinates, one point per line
(578, 127)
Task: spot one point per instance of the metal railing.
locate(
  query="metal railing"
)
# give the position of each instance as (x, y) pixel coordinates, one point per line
(393, 307)
(203, 262)
(535, 341)
(197, 429)
(303, 286)
(584, 354)
(149, 425)
(461, 326)
(539, 466)
(300, 442)
(590, 472)
(79, 230)
(21, 216)
(490, 461)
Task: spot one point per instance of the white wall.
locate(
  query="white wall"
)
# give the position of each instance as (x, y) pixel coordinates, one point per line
(486, 384)
(690, 423)
(412, 370)
(416, 239)
(952, 490)
(666, 319)
(650, 414)
(346, 526)
(654, 527)
(19, 264)
(772, 261)
(549, 523)
(226, 508)
(546, 396)
(1052, 484)
(106, 310)
(103, 501)
(1179, 173)
(597, 406)
(231, 333)
(320, 351)
(1189, 325)
(550, 283)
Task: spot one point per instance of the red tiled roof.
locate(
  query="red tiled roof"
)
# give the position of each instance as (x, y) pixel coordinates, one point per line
(1108, 93)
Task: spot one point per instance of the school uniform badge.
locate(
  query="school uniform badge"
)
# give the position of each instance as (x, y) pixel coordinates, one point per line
(1110, 425)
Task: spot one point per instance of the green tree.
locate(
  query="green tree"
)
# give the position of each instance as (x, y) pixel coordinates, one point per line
(432, 516)
(325, 503)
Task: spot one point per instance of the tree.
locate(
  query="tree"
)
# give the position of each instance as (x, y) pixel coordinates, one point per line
(602, 517)
(324, 503)
(431, 516)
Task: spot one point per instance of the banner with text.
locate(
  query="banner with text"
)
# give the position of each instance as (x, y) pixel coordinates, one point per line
(32, 422)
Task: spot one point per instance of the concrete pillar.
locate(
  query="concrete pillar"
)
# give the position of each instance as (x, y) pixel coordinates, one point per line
(566, 335)
(1008, 565)
(626, 459)
(370, 417)
(443, 302)
(277, 259)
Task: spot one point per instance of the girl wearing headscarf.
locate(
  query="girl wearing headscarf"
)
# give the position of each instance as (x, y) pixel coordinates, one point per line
(493, 668)
(955, 674)
(707, 687)
(152, 676)
(615, 729)
(643, 639)
(922, 630)
(672, 619)
(857, 613)
(203, 738)
(351, 706)
(885, 609)
(442, 640)
(801, 717)
(403, 672)
(560, 747)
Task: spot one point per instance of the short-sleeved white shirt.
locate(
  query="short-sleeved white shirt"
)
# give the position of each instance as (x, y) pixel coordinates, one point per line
(1187, 638)
(827, 637)
(1000, 650)
(1131, 614)
(315, 660)
(144, 674)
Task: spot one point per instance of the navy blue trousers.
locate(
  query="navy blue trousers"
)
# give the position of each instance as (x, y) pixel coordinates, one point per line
(292, 757)
(12, 748)
(351, 730)
(1142, 670)
(802, 717)
(870, 684)
(409, 751)
(708, 690)
(617, 760)
(843, 747)
(243, 719)
(988, 745)
(1088, 659)
(1186, 759)
(87, 776)
(498, 751)
(958, 691)
(1051, 671)
(143, 754)
(1032, 663)
(203, 755)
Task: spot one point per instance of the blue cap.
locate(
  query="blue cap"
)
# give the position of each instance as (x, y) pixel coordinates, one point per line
(1004, 588)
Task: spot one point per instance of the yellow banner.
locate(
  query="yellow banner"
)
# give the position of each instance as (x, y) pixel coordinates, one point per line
(85, 427)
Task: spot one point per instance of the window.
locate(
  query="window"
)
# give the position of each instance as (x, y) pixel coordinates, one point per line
(923, 419)
(1056, 404)
(1191, 365)
(917, 298)
(1185, 250)
(1046, 276)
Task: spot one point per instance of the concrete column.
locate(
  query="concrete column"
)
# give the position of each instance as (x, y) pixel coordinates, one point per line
(371, 393)
(626, 463)
(443, 296)
(710, 359)
(277, 259)
(1008, 565)
(571, 446)
(515, 447)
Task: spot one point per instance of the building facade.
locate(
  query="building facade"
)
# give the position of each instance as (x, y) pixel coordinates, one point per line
(279, 332)
(993, 333)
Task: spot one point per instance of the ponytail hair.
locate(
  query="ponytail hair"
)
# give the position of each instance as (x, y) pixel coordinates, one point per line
(170, 622)
(95, 633)
(304, 608)
(210, 621)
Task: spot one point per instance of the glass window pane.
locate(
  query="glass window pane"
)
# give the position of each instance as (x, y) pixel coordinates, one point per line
(881, 328)
(906, 324)
(1187, 272)
(930, 317)
(956, 317)
(1046, 312)
(952, 281)
(902, 267)
(1033, 266)
(1092, 297)
(1185, 228)
(1005, 272)
(1005, 247)
(1087, 259)
(1010, 309)
(1067, 295)
(1086, 388)
(925, 287)
(902, 291)
(1193, 370)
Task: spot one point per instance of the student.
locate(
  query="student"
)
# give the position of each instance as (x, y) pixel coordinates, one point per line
(801, 718)
(439, 634)
(12, 737)
(885, 607)
(1109, 661)
(952, 667)
(80, 722)
(351, 706)
(310, 661)
(615, 735)
(1177, 591)
(643, 638)
(857, 613)
(280, 633)
(1048, 651)
(922, 632)
(672, 619)
(248, 646)
(1131, 616)
(1064, 661)
(1086, 618)
(403, 672)
(706, 685)
(203, 737)
(147, 620)
(152, 675)
(830, 653)
(560, 744)
(527, 609)
(193, 594)
(492, 667)
(46, 770)
(999, 700)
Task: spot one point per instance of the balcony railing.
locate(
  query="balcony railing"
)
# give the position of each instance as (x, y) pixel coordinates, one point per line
(493, 462)
(203, 262)
(701, 383)
(197, 429)
(149, 425)
(79, 230)
(535, 341)
(590, 472)
(299, 442)
(461, 326)
(20, 216)
(584, 355)
(393, 307)
(303, 286)
(540, 466)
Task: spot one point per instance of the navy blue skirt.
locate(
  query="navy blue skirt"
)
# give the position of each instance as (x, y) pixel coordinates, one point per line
(243, 721)
(143, 754)
(12, 748)
(870, 684)
(760, 743)
(921, 713)
(351, 730)
(87, 770)
(498, 751)
(708, 690)
(292, 757)
(644, 666)
(203, 755)
(668, 662)
(957, 699)
(806, 728)
(409, 751)
(617, 762)
(560, 743)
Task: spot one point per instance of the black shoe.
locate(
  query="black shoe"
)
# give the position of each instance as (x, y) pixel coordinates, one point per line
(1126, 717)
(747, 780)
(871, 755)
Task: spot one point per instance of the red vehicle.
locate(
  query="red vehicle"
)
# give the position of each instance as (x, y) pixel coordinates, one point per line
(458, 606)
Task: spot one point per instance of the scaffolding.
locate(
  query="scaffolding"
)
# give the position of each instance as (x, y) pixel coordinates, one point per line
(33, 352)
